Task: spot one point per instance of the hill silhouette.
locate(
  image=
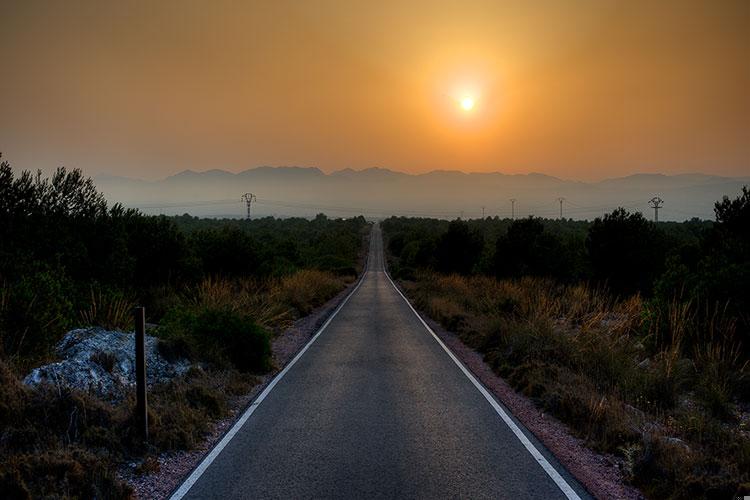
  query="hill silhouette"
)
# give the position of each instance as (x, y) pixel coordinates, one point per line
(379, 192)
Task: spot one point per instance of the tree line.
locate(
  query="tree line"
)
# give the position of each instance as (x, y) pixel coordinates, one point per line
(695, 260)
(60, 242)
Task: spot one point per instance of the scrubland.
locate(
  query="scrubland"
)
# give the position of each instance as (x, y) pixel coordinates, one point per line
(216, 293)
(634, 334)
(666, 393)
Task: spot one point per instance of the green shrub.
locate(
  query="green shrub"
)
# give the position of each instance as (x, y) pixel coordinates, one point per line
(217, 335)
(36, 314)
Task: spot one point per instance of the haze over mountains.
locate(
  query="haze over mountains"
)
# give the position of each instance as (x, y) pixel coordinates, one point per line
(378, 192)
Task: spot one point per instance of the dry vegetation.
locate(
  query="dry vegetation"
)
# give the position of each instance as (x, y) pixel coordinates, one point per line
(64, 443)
(663, 388)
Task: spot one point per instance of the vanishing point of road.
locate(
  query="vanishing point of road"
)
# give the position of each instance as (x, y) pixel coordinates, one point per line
(375, 407)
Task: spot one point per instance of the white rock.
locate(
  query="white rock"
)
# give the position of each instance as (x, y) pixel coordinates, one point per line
(78, 370)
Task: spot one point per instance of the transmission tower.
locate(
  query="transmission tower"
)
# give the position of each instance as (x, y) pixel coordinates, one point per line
(483, 207)
(656, 203)
(561, 200)
(513, 209)
(248, 198)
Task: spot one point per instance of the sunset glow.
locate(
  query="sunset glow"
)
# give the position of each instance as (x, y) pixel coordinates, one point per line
(580, 89)
(467, 103)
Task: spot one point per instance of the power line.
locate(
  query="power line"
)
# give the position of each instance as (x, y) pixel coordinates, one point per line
(189, 204)
(538, 210)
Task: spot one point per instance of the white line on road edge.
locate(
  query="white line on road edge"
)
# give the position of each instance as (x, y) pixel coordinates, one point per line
(198, 472)
(548, 468)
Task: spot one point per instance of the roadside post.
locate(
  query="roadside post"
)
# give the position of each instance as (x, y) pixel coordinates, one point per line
(141, 407)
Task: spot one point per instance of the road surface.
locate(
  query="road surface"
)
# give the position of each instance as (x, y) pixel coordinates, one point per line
(376, 408)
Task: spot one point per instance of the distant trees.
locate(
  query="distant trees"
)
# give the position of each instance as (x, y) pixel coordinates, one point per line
(459, 249)
(59, 241)
(225, 251)
(716, 269)
(528, 250)
(625, 251)
(621, 250)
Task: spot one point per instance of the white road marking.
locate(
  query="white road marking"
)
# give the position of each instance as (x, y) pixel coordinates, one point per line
(208, 460)
(548, 468)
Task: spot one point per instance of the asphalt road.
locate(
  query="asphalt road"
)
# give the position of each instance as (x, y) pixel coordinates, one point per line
(376, 408)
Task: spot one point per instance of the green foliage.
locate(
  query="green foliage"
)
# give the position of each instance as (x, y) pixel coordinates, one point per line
(458, 249)
(35, 310)
(269, 247)
(66, 259)
(626, 251)
(225, 251)
(529, 249)
(217, 335)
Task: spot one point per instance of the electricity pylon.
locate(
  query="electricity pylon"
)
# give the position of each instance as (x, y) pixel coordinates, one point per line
(561, 200)
(248, 198)
(656, 203)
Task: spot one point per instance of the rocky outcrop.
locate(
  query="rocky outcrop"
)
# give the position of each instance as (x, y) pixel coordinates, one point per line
(103, 362)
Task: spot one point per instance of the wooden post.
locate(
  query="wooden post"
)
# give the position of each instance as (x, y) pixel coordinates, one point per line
(141, 408)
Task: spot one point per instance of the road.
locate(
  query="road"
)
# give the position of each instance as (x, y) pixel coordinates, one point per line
(376, 408)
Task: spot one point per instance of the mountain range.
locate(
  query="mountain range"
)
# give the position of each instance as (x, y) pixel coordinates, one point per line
(379, 192)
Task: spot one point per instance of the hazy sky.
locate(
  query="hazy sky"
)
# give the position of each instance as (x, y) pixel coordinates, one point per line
(579, 89)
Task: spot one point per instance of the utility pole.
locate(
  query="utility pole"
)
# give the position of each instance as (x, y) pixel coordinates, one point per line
(513, 209)
(248, 198)
(561, 200)
(656, 203)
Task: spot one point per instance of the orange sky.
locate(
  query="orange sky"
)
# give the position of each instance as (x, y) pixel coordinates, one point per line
(578, 89)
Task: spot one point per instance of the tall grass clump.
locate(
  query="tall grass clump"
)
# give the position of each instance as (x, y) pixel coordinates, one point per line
(108, 310)
(308, 289)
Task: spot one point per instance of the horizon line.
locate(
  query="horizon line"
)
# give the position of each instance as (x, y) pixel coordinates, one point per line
(410, 174)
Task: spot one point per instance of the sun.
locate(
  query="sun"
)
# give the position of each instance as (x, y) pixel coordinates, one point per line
(467, 103)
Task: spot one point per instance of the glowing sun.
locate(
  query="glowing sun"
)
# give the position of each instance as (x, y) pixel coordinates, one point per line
(467, 103)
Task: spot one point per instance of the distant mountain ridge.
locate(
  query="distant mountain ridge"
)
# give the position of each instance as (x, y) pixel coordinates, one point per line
(380, 192)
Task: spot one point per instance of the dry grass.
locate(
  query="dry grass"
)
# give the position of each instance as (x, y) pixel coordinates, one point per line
(108, 311)
(308, 289)
(66, 444)
(658, 384)
(272, 303)
(254, 298)
(58, 443)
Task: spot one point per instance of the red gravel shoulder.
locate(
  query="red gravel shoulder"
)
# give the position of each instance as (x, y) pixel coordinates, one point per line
(599, 474)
